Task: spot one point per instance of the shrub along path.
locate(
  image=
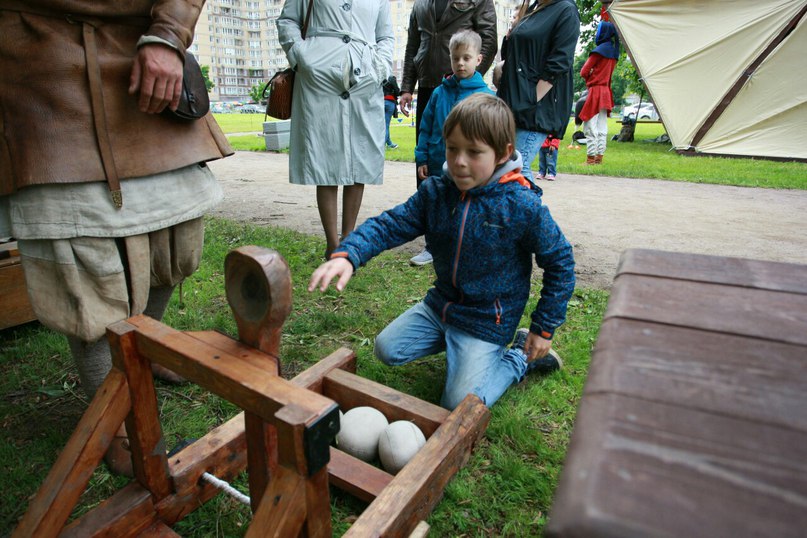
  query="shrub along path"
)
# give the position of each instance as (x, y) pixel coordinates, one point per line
(601, 216)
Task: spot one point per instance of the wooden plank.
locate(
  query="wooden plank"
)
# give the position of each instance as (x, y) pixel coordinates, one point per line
(641, 468)
(158, 530)
(737, 376)
(245, 353)
(241, 383)
(143, 427)
(769, 315)
(126, 513)
(15, 308)
(282, 511)
(311, 378)
(421, 531)
(58, 494)
(418, 487)
(352, 391)
(721, 270)
(318, 506)
(354, 476)
(261, 456)
(221, 452)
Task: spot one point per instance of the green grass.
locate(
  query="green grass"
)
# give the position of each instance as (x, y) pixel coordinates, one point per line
(505, 489)
(639, 159)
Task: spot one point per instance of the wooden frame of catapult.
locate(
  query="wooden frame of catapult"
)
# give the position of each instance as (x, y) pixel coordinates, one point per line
(282, 437)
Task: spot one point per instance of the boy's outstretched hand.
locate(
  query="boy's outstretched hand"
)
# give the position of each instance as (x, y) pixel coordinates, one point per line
(536, 347)
(325, 273)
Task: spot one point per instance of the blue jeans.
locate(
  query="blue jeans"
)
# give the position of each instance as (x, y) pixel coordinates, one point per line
(389, 110)
(528, 143)
(473, 366)
(548, 162)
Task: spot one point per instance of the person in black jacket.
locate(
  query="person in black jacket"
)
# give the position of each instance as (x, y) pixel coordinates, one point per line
(535, 77)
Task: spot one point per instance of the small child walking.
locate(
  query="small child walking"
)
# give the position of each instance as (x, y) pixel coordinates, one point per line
(548, 158)
(485, 223)
(466, 54)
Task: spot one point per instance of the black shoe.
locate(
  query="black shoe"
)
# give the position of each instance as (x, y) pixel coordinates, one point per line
(551, 363)
(546, 365)
(520, 340)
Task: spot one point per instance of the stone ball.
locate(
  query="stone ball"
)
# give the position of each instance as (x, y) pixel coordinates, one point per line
(398, 444)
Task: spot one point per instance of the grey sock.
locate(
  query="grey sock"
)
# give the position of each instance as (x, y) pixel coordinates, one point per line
(93, 360)
(158, 301)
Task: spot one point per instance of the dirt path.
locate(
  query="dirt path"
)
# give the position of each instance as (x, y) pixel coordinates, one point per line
(601, 216)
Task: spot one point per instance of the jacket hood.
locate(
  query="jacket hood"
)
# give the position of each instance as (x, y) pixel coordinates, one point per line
(475, 82)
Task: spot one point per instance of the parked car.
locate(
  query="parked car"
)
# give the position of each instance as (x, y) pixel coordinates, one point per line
(251, 109)
(646, 112)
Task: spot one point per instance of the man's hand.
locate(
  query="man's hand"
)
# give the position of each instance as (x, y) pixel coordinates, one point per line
(157, 75)
(325, 273)
(406, 103)
(536, 347)
(423, 171)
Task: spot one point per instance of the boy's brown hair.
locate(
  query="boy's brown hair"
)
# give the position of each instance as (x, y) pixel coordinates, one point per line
(467, 39)
(483, 117)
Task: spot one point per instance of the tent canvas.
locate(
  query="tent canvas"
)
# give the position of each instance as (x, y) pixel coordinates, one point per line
(728, 77)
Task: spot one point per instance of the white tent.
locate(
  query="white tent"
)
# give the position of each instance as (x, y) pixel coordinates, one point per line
(728, 77)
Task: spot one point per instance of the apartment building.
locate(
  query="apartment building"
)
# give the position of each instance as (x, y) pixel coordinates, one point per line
(237, 39)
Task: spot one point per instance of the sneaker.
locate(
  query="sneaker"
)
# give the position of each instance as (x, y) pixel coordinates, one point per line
(551, 363)
(521, 339)
(550, 177)
(424, 258)
(541, 176)
(392, 146)
(547, 365)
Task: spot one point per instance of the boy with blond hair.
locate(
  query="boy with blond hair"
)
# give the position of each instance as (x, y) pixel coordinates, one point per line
(484, 224)
(430, 154)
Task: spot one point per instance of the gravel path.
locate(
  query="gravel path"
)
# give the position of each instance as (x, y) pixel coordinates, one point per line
(601, 216)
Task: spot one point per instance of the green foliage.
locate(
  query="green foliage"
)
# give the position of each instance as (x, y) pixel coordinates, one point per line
(256, 92)
(505, 490)
(206, 75)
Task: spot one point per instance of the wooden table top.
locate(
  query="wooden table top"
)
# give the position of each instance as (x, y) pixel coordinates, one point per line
(693, 420)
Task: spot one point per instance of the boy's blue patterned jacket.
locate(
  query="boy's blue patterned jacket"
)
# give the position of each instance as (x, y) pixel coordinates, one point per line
(483, 242)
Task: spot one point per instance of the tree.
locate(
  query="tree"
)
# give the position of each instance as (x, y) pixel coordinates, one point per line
(206, 74)
(256, 92)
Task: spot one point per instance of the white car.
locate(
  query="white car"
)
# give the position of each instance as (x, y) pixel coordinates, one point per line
(646, 112)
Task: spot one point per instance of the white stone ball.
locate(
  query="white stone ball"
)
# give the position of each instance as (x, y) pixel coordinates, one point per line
(398, 444)
(360, 430)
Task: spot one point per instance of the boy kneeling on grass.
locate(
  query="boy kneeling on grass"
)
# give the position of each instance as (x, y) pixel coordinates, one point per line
(484, 223)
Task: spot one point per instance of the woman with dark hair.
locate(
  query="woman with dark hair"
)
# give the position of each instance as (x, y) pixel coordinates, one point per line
(597, 73)
(536, 72)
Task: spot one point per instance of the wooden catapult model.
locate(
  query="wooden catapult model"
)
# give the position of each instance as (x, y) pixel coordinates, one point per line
(282, 437)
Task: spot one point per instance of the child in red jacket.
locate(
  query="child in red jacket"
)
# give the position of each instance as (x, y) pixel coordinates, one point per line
(548, 158)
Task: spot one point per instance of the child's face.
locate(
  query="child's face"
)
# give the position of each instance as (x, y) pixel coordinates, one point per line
(471, 162)
(464, 61)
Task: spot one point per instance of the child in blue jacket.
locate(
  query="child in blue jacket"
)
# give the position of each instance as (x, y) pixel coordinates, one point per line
(465, 47)
(484, 224)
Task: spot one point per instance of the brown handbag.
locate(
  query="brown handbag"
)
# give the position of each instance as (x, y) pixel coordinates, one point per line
(193, 101)
(281, 85)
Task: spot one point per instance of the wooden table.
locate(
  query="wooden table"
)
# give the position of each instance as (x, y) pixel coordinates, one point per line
(15, 309)
(693, 420)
